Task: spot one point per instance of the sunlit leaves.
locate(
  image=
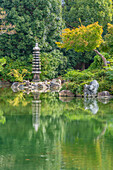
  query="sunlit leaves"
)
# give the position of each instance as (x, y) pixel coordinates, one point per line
(5, 27)
(82, 39)
(2, 62)
(19, 98)
(18, 76)
(2, 118)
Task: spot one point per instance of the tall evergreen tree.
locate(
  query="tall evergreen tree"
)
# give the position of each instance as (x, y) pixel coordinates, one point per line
(34, 19)
(87, 12)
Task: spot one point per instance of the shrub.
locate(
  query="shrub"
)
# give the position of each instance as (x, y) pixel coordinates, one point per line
(53, 64)
(98, 63)
(77, 80)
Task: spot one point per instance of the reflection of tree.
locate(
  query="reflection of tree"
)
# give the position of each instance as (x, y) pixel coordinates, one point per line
(66, 135)
(19, 98)
(57, 141)
(2, 118)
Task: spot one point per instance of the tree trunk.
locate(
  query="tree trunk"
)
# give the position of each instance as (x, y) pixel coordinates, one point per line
(83, 66)
(103, 58)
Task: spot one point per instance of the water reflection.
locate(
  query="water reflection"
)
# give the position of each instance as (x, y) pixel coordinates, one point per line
(43, 132)
(104, 100)
(91, 104)
(36, 107)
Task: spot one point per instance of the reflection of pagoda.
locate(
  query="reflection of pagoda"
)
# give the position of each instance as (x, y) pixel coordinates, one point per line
(36, 106)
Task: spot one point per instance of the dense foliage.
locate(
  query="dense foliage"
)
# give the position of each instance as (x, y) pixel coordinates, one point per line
(2, 62)
(42, 21)
(76, 79)
(33, 20)
(87, 12)
(53, 64)
(82, 39)
(4, 27)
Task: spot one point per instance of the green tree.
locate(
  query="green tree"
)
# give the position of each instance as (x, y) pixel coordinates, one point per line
(4, 27)
(41, 20)
(77, 12)
(87, 12)
(107, 45)
(83, 39)
(53, 64)
(34, 20)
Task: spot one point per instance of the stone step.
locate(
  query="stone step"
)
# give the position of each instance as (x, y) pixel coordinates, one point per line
(36, 57)
(36, 68)
(36, 60)
(34, 72)
(36, 65)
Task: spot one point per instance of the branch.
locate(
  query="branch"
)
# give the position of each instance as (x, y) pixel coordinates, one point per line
(103, 58)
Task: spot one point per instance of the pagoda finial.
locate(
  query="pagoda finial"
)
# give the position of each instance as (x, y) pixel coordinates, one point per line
(36, 48)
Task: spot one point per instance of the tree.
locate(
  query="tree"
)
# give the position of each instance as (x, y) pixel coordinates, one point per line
(4, 27)
(107, 45)
(76, 12)
(83, 39)
(41, 20)
(87, 12)
(34, 20)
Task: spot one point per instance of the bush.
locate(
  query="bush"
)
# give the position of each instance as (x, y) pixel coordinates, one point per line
(18, 65)
(77, 80)
(53, 64)
(98, 63)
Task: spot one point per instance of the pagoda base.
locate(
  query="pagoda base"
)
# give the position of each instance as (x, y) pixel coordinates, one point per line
(36, 78)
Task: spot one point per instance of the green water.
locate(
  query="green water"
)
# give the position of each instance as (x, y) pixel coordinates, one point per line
(47, 133)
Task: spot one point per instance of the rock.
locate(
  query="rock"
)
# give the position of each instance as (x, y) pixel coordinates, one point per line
(91, 90)
(26, 82)
(5, 84)
(66, 93)
(78, 95)
(104, 94)
(21, 87)
(55, 84)
(66, 99)
(58, 81)
(15, 86)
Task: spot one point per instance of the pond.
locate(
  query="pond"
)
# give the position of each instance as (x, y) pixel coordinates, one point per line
(43, 132)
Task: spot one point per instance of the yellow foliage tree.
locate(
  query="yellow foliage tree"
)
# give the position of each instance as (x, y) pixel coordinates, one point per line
(84, 38)
(18, 76)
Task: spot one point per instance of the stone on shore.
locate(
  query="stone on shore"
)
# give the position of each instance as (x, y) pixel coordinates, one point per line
(104, 94)
(66, 93)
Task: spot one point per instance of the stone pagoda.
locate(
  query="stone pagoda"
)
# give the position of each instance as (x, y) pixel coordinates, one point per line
(36, 67)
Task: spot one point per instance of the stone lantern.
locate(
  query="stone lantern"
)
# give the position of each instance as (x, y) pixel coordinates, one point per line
(36, 67)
